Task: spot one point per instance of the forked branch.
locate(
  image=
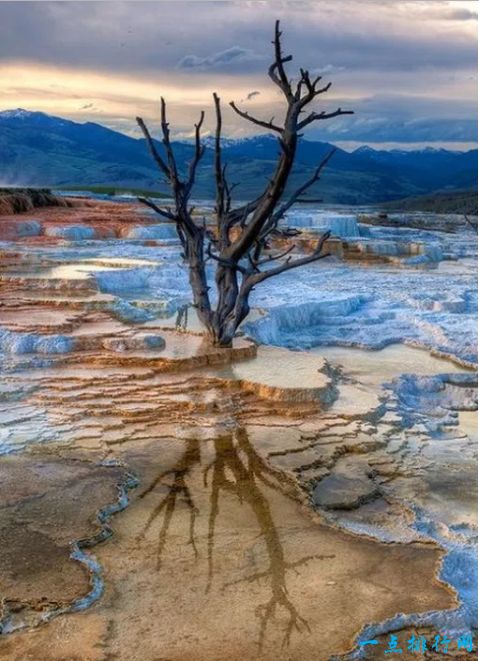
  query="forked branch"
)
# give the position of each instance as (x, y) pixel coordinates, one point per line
(241, 234)
(293, 264)
(276, 71)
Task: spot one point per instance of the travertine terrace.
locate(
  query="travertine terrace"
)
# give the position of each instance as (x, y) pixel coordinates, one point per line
(163, 500)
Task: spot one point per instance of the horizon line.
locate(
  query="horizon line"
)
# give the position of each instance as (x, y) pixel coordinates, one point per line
(346, 145)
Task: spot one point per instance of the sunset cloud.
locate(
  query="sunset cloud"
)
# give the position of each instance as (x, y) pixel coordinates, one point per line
(230, 56)
(400, 65)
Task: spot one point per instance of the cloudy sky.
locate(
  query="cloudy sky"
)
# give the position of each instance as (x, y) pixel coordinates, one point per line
(407, 69)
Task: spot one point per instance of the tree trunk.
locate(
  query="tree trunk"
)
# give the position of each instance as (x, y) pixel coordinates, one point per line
(254, 222)
(197, 275)
(227, 288)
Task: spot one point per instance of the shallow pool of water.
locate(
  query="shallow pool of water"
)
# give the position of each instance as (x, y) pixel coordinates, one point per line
(279, 368)
(80, 270)
(377, 367)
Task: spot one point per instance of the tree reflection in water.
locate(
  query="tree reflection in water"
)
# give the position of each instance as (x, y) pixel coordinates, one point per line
(236, 469)
(175, 490)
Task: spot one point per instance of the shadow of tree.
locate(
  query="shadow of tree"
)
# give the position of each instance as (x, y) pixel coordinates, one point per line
(236, 469)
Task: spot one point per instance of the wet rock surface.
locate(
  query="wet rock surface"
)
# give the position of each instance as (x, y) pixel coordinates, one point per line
(46, 503)
(341, 491)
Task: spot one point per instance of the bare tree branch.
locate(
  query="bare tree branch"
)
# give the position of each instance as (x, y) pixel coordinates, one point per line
(241, 234)
(288, 265)
(152, 148)
(316, 116)
(271, 258)
(312, 90)
(166, 213)
(276, 71)
(219, 172)
(470, 223)
(198, 155)
(266, 125)
(165, 128)
(225, 262)
(302, 189)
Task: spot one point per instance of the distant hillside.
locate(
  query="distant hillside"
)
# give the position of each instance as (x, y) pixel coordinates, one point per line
(40, 150)
(453, 202)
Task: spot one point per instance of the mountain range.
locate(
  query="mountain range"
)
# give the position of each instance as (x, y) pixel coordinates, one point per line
(37, 149)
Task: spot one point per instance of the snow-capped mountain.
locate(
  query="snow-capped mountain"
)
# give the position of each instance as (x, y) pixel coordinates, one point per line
(40, 149)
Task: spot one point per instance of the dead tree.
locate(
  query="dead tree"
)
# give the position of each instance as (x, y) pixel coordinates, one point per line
(241, 233)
